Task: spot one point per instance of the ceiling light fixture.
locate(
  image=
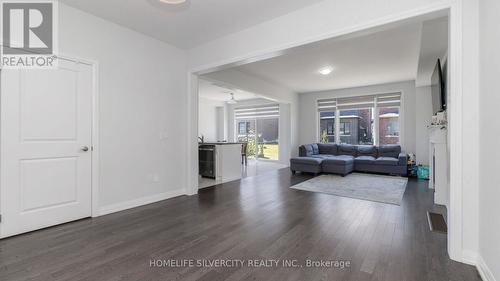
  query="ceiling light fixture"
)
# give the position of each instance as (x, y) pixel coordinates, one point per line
(232, 100)
(172, 1)
(325, 70)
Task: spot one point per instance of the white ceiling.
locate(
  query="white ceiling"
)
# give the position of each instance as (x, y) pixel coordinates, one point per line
(364, 59)
(219, 92)
(191, 24)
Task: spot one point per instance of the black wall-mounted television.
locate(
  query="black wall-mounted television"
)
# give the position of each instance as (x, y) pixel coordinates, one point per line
(438, 89)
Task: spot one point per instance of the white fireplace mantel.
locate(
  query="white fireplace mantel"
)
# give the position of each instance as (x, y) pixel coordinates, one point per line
(438, 157)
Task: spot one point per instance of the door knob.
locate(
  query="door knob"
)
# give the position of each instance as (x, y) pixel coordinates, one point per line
(85, 148)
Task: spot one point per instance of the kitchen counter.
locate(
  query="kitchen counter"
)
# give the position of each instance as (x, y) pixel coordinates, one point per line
(226, 163)
(219, 143)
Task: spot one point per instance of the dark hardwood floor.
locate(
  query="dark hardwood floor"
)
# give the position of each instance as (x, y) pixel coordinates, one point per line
(255, 218)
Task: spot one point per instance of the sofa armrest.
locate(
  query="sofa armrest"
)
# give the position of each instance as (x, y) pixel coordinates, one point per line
(302, 151)
(402, 159)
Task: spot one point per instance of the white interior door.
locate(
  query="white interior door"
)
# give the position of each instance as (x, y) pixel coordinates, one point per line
(46, 133)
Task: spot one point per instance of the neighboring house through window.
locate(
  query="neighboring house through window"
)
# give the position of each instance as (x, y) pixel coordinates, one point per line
(389, 125)
(244, 127)
(327, 126)
(345, 128)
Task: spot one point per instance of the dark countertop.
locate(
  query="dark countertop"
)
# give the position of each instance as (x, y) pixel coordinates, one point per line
(218, 143)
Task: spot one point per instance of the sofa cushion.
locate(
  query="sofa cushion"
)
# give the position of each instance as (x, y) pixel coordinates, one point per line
(315, 148)
(339, 160)
(387, 161)
(322, 156)
(367, 150)
(327, 148)
(364, 159)
(306, 150)
(306, 160)
(391, 150)
(347, 149)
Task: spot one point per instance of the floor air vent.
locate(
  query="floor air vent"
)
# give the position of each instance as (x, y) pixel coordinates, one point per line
(437, 222)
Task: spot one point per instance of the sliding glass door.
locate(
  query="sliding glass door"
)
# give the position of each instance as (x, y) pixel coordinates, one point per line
(268, 138)
(258, 126)
(245, 133)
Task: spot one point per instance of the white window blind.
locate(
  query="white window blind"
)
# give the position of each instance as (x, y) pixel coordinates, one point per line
(357, 102)
(389, 100)
(261, 111)
(327, 105)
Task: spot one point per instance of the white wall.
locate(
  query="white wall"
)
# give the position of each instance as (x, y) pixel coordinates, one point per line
(489, 188)
(142, 86)
(423, 118)
(286, 135)
(434, 46)
(308, 114)
(221, 119)
(209, 118)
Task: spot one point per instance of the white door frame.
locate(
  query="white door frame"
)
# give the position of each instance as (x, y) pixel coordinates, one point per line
(95, 129)
(95, 132)
(454, 9)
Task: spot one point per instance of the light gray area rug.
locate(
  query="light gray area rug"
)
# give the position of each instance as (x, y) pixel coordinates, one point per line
(378, 188)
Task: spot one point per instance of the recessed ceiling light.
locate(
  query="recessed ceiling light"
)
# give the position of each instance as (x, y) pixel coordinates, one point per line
(172, 1)
(325, 70)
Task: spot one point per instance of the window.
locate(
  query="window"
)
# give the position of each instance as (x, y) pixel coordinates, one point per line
(369, 119)
(327, 126)
(243, 127)
(389, 125)
(246, 130)
(268, 138)
(356, 126)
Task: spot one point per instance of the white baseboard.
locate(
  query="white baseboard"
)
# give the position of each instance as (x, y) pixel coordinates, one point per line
(286, 163)
(484, 270)
(224, 180)
(139, 202)
(469, 257)
(472, 258)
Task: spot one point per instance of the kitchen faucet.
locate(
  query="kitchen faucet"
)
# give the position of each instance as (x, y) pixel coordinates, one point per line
(202, 139)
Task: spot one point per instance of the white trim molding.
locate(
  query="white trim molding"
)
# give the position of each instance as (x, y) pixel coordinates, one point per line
(192, 168)
(95, 148)
(455, 145)
(472, 258)
(140, 202)
(484, 270)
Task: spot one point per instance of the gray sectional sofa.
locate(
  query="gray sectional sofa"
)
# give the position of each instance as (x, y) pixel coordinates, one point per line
(344, 159)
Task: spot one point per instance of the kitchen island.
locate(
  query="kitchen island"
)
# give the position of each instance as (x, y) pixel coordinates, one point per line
(220, 161)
